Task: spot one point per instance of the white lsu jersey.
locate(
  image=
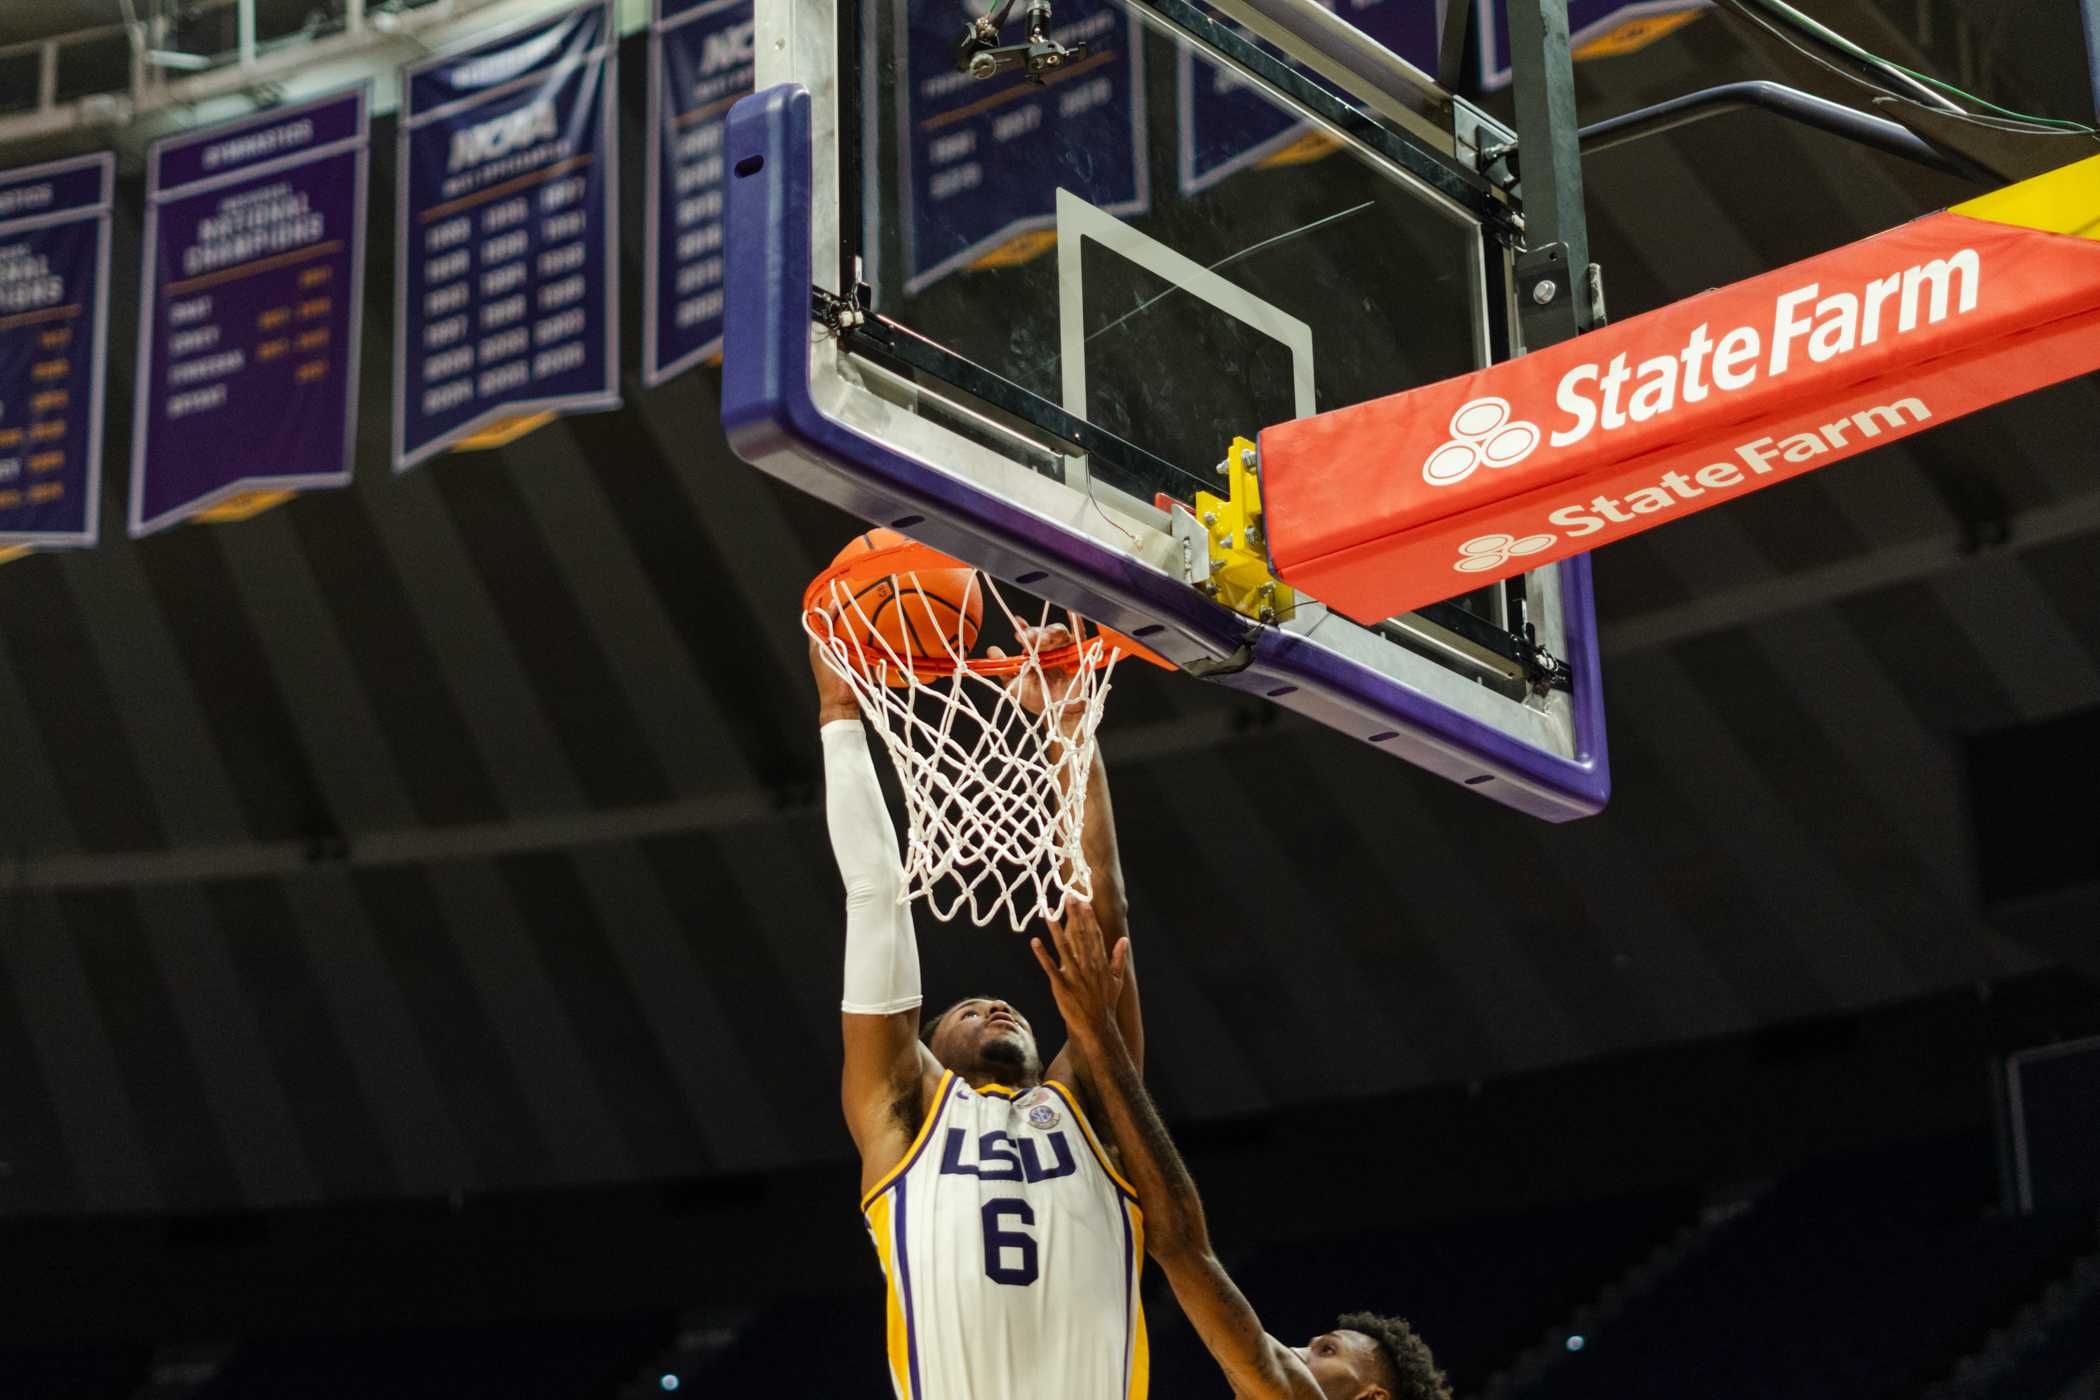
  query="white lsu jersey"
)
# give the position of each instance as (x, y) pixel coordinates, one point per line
(1012, 1251)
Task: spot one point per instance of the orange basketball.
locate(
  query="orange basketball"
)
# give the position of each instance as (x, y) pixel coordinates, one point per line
(919, 612)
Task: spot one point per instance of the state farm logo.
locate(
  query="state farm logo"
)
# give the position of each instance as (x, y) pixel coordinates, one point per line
(1485, 552)
(1772, 456)
(1482, 435)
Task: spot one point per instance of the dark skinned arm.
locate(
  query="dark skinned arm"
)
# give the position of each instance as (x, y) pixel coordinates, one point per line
(1111, 910)
(1085, 978)
(1104, 860)
(1104, 857)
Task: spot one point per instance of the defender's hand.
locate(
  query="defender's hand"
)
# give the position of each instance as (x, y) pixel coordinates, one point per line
(1086, 977)
(835, 699)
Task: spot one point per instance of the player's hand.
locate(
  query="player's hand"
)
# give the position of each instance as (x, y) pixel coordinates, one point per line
(1035, 687)
(1086, 977)
(835, 699)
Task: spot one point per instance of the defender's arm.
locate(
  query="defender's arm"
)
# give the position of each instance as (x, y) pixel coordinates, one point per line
(1097, 841)
(1085, 980)
(1111, 911)
(1098, 847)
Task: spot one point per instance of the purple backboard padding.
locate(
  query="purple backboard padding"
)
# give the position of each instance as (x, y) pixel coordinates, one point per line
(773, 422)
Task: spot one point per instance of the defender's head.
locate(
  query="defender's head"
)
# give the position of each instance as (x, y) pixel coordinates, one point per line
(1368, 1357)
(985, 1039)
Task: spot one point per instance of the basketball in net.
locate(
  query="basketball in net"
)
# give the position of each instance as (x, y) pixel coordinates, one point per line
(924, 613)
(993, 750)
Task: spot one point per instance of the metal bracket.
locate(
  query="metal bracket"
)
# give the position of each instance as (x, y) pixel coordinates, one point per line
(1545, 671)
(981, 55)
(1542, 275)
(1235, 562)
(842, 313)
(1485, 143)
(1207, 669)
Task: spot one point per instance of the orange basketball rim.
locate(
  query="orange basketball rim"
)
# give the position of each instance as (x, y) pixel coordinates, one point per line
(908, 559)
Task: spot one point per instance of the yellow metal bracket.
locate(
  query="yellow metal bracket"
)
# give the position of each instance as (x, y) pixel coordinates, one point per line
(1239, 558)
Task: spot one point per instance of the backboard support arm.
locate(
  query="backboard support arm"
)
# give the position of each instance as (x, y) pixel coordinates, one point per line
(1556, 295)
(1834, 118)
(1453, 25)
(2089, 10)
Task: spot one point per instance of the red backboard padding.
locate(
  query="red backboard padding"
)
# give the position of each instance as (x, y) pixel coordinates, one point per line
(1385, 506)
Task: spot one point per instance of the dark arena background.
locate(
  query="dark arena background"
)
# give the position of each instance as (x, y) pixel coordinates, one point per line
(420, 941)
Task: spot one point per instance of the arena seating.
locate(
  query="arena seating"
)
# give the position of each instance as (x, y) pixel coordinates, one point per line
(1865, 1278)
(1860, 1279)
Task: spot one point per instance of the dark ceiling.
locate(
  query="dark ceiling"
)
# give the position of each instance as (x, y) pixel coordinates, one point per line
(458, 831)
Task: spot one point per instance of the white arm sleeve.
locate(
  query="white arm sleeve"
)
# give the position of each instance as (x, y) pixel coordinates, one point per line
(882, 952)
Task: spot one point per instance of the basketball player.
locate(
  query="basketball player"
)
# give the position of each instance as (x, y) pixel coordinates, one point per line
(1011, 1247)
(1366, 1357)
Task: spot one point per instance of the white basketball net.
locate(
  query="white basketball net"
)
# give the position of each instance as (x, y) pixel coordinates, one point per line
(994, 792)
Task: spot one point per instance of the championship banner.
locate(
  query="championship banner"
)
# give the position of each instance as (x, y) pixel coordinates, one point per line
(54, 292)
(249, 307)
(700, 63)
(507, 295)
(1596, 29)
(1387, 505)
(974, 151)
(1226, 125)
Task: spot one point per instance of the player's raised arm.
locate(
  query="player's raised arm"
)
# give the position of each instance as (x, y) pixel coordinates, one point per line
(1103, 856)
(882, 1088)
(1087, 980)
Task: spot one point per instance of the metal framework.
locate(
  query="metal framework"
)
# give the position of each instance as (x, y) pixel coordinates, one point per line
(1806, 109)
(376, 35)
(2089, 11)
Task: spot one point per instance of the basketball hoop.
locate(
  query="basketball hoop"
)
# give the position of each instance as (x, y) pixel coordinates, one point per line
(994, 790)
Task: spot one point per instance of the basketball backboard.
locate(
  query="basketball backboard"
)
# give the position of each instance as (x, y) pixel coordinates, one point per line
(1023, 322)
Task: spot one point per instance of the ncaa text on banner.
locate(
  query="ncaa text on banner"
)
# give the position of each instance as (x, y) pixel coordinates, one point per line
(54, 291)
(506, 284)
(249, 309)
(1402, 501)
(700, 63)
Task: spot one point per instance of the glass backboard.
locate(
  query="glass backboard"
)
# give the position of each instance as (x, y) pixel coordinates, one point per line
(1023, 321)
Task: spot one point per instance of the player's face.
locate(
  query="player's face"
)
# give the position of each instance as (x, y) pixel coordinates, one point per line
(1345, 1365)
(985, 1033)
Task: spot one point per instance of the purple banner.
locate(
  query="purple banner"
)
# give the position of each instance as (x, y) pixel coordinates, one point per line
(1226, 124)
(507, 282)
(54, 294)
(976, 154)
(249, 309)
(1615, 26)
(700, 62)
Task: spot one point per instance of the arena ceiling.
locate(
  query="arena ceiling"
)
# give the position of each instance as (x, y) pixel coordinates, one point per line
(460, 831)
